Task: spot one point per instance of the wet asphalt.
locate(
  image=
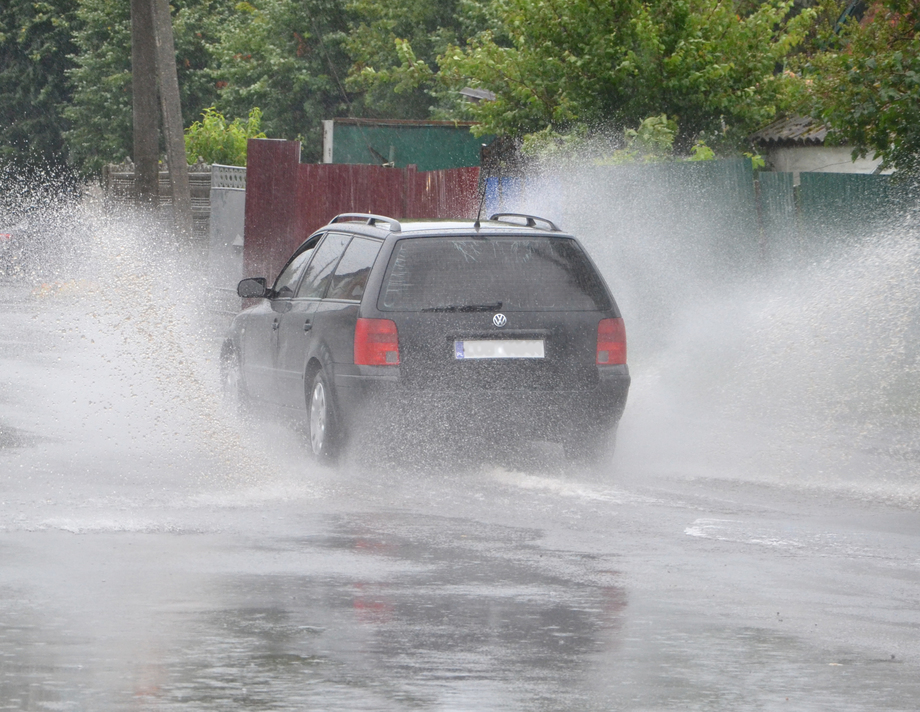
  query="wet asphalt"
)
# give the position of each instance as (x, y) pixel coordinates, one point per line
(160, 553)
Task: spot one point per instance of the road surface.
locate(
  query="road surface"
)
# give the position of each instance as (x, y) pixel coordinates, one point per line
(159, 554)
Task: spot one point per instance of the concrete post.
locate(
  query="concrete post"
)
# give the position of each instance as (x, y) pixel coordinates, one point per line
(172, 118)
(146, 112)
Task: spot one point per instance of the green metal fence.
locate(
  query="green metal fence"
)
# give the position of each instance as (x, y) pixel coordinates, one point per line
(720, 208)
(827, 209)
(670, 237)
(778, 214)
(837, 207)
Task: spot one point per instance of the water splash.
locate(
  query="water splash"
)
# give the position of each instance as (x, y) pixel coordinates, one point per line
(793, 364)
(793, 370)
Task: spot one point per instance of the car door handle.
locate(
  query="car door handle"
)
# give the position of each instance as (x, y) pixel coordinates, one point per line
(275, 325)
(307, 325)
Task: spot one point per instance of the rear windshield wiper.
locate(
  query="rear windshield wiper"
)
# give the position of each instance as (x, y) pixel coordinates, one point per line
(465, 307)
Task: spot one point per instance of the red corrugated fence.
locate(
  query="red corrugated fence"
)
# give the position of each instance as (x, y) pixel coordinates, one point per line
(287, 200)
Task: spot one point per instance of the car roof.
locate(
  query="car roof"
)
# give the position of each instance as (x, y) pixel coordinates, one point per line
(499, 225)
(486, 227)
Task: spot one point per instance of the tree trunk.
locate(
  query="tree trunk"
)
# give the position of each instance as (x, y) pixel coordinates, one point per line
(146, 112)
(172, 118)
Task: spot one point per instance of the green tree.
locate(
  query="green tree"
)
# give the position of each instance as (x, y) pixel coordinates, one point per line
(651, 142)
(100, 112)
(865, 84)
(289, 59)
(216, 140)
(560, 62)
(395, 46)
(35, 44)
(198, 26)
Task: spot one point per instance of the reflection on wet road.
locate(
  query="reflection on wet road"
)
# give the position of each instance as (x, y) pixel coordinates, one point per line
(158, 554)
(353, 618)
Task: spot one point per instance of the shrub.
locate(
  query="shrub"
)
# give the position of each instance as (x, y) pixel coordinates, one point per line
(215, 140)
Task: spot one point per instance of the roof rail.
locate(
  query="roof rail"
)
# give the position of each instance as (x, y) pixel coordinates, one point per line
(369, 219)
(530, 220)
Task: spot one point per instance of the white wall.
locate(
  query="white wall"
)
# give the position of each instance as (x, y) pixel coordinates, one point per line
(818, 159)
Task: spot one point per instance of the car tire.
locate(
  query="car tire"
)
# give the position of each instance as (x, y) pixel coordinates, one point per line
(231, 378)
(322, 426)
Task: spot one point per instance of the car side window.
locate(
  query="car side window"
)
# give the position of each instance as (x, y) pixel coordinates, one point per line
(319, 273)
(351, 275)
(290, 275)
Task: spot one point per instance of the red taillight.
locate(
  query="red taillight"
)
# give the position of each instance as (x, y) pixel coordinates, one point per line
(611, 342)
(376, 343)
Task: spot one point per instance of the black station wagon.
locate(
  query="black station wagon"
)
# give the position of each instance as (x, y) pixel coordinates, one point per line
(499, 328)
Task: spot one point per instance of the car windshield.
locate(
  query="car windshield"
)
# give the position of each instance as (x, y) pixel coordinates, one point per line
(510, 273)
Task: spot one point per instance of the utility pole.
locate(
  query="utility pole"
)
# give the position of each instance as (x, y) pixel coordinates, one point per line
(172, 117)
(146, 112)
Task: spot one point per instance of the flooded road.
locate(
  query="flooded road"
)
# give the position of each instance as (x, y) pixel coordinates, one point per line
(158, 553)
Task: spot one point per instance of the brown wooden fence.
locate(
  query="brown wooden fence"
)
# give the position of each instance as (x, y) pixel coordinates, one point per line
(287, 200)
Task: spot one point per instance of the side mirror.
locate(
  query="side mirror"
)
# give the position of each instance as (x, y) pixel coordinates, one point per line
(252, 288)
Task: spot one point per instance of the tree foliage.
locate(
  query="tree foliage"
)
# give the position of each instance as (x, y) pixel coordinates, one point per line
(866, 83)
(289, 59)
(559, 62)
(651, 142)
(216, 140)
(395, 46)
(560, 69)
(286, 57)
(100, 111)
(36, 41)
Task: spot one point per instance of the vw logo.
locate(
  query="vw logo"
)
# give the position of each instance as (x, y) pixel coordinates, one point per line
(499, 320)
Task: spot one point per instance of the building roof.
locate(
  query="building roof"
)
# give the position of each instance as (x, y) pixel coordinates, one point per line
(794, 131)
(403, 123)
(477, 95)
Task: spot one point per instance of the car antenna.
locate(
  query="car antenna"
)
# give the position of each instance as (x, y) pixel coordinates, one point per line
(479, 212)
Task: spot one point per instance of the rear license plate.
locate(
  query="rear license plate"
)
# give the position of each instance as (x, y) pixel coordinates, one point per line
(499, 348)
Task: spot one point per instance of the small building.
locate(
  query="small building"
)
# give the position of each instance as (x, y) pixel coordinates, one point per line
(430, 145)
(797, 145)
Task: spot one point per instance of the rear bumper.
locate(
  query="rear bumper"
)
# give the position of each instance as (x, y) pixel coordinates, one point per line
(381, 400)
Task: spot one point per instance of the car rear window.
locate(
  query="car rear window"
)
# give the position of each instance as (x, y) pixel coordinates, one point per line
(519, 273)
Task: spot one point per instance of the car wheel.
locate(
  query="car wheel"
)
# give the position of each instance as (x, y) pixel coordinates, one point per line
(231, 377)
(323, 429)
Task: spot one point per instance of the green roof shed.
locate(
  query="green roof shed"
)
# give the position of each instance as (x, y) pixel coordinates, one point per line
(430, 145)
